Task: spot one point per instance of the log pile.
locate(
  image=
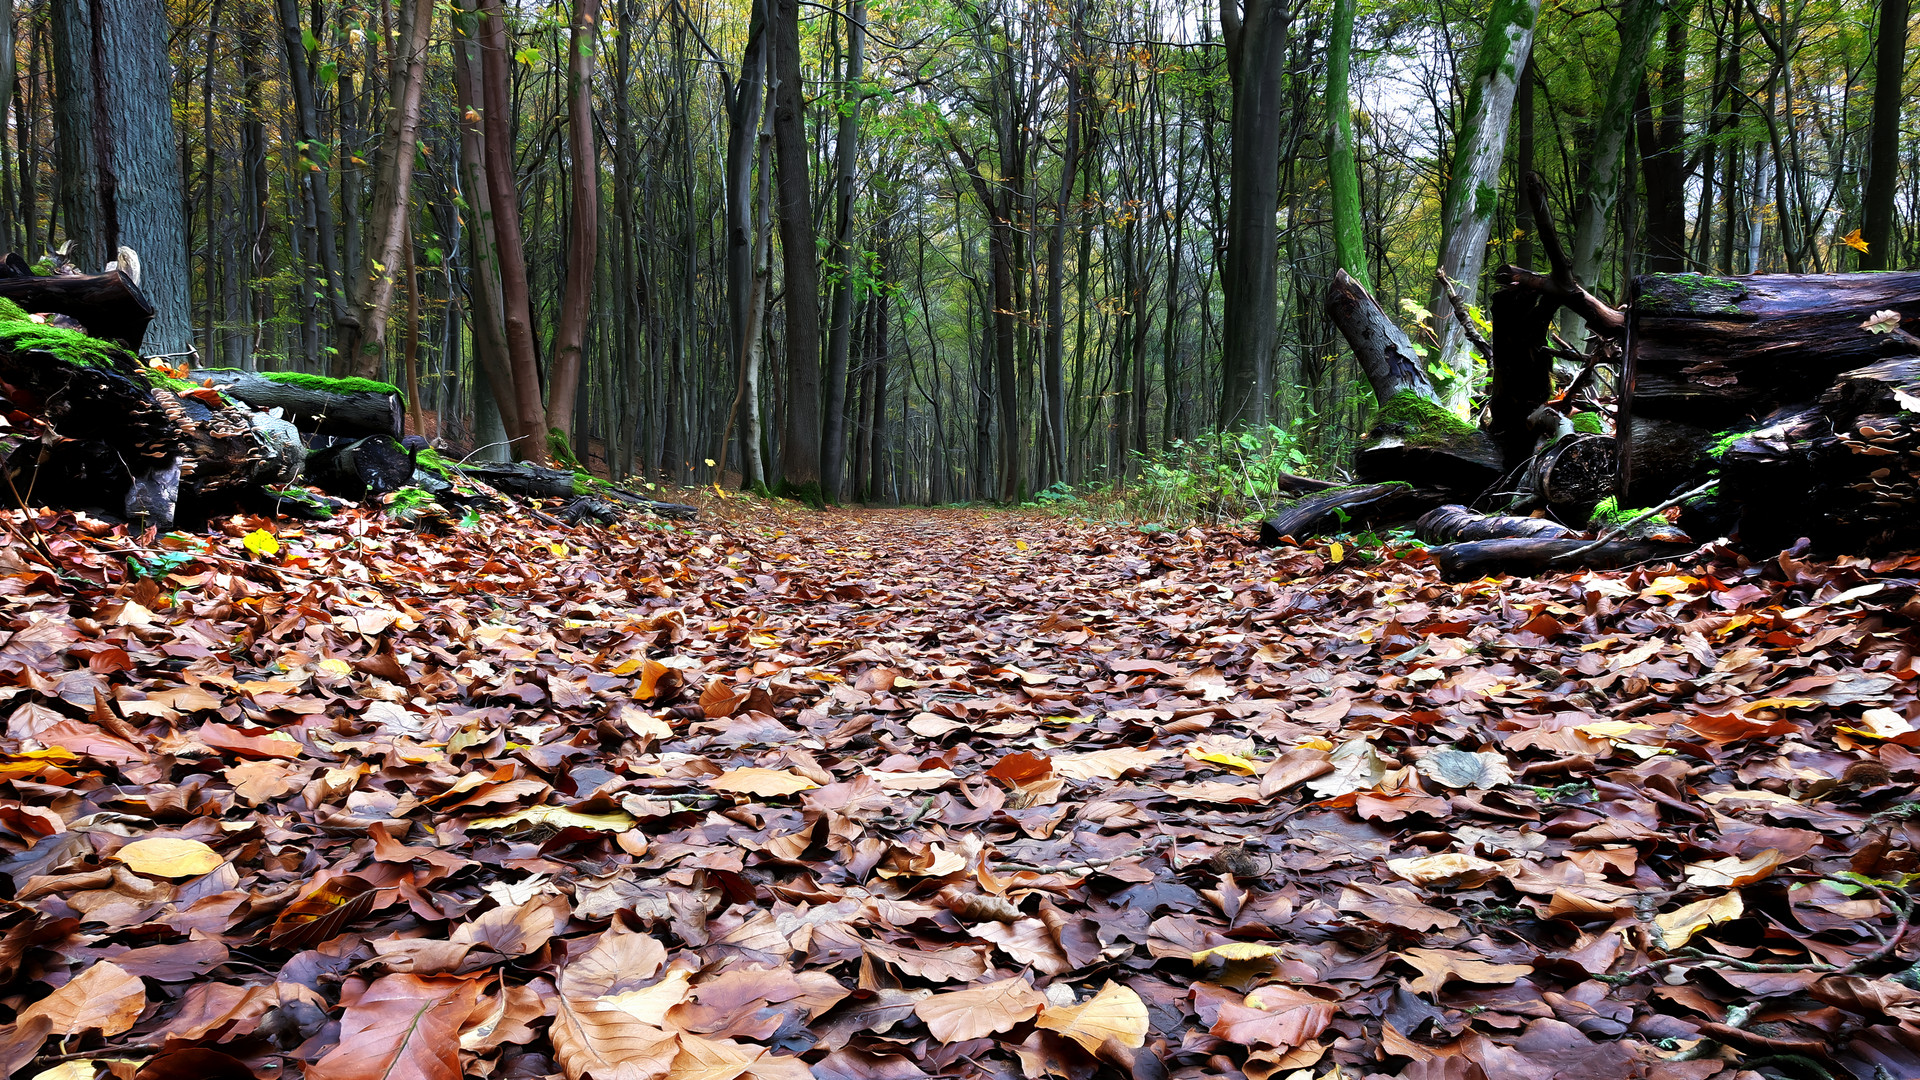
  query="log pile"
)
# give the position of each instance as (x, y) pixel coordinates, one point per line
(1784, 407)
(89, 426)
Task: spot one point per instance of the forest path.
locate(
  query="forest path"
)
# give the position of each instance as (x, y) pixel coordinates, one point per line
(883, 794)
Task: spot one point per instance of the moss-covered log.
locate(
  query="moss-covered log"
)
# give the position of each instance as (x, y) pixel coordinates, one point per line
(1416, 440)
(1453, 523)
(536, 482)
(109, 305)
(349, 407)
(1716, 351)
(116, 442)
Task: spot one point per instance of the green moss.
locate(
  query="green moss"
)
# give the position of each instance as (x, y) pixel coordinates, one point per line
(407, 503)
(810, 493)
(561, 451)
(1608, 512)
(306, 498)
(1723, 444)
(1693, 294)
(1422, 422)
(352, 385)
(1588, 422)
(431, 461)
(20, 333)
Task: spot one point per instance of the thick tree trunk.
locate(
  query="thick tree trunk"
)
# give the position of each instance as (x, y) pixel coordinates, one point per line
(1256, 40)
(583, 240)
(366, 343)
(516, 313)
(1883, 153)
(1714, 351)
(1663, 158)
(1453, 524)
(109, 305)
(1466, 214)
(119, 158)
(800, 445)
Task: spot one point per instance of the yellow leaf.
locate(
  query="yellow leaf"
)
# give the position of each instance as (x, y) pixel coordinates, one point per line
(710, 463)
(261, 543)
(1612, 729)
(762, 783)
(1021, 544)
(1116, 1012)
(1237, 950)
(1732, 872)
(1337, 552)
(559, 550)
(1316, 743)
(69, 1070)
(335, 669)
(558, 817)
(1231, 761)
(1880, 724)
(1853, 241)
(1680, 926)
(169, 857)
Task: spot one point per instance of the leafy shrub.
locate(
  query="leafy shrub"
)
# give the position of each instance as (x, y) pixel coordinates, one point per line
(1224, 476)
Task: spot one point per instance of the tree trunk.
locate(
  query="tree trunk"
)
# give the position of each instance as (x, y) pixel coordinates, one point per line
(1607, 166)
(1453, 523)
(800, 447)
(833, 453)
(1349, 231)
(583, 240)
(516, 314)
(1256, 40)
(1466, 214)
(483, 258)
(119, 158)
(745, 100)
(1663, 158)
(1053, 376)
(366, 343)
(311, 403)
(1883, 153)
(314, 160)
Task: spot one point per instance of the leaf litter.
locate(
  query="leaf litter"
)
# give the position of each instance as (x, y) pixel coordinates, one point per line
(886, 795)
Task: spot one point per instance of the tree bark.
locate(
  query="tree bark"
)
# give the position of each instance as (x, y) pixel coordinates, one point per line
(1607, 166)
(315, 158)
(516, 314)
(1883, 153)
(833, 451)
(1663, 159)
(1349, 232)
(1466, 214)
(483, 258)
(119, 156)
(366, 342)
(583, 240)
(319, 409)
(800, 447)
(1256, 38)
(746, 98)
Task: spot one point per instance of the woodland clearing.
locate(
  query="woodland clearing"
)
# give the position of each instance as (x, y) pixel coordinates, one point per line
(892, 794)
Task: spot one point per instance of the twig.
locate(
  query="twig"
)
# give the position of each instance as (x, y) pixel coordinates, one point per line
(1459, 305)
(1613, 532)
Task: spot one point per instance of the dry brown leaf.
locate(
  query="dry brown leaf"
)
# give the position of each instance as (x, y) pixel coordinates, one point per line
(1116, 1012)
(1438, 966)
(169, 857)
(102, 998)
(959, 1015)
(761, 783)
(402, 1027)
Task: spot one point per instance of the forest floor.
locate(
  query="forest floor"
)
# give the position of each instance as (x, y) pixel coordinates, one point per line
(891, 794)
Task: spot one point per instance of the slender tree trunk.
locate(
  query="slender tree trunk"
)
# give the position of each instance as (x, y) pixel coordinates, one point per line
(1053, 372)
(1663, 158)
(583, 240)
(1349, 231)
(746, 98)
(483, 260)
(373, 283)
(1883, 154)
(314, 161)
(800, 448)
(1466, 215)
(1523, 164)
(1607, 168)
(1256, 40)
(846, 282)
(510, 243)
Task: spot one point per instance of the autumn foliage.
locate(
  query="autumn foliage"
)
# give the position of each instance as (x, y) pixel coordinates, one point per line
(882, 796)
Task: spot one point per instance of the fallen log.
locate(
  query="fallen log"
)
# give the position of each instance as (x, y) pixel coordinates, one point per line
(1716, 351)
(1532, 556)
(1453, 523)
(358, 468)
(116, 442)
(110, 306)
(314, 403)
(536, 482)
(1345, 507)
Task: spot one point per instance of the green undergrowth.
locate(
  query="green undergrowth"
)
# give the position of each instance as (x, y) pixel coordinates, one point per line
(810, 493)
(1608, 513)
(19, 332)
(407, 503)
(431, 461)
(1589, 423)
(1223, 476)
(562, 451)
